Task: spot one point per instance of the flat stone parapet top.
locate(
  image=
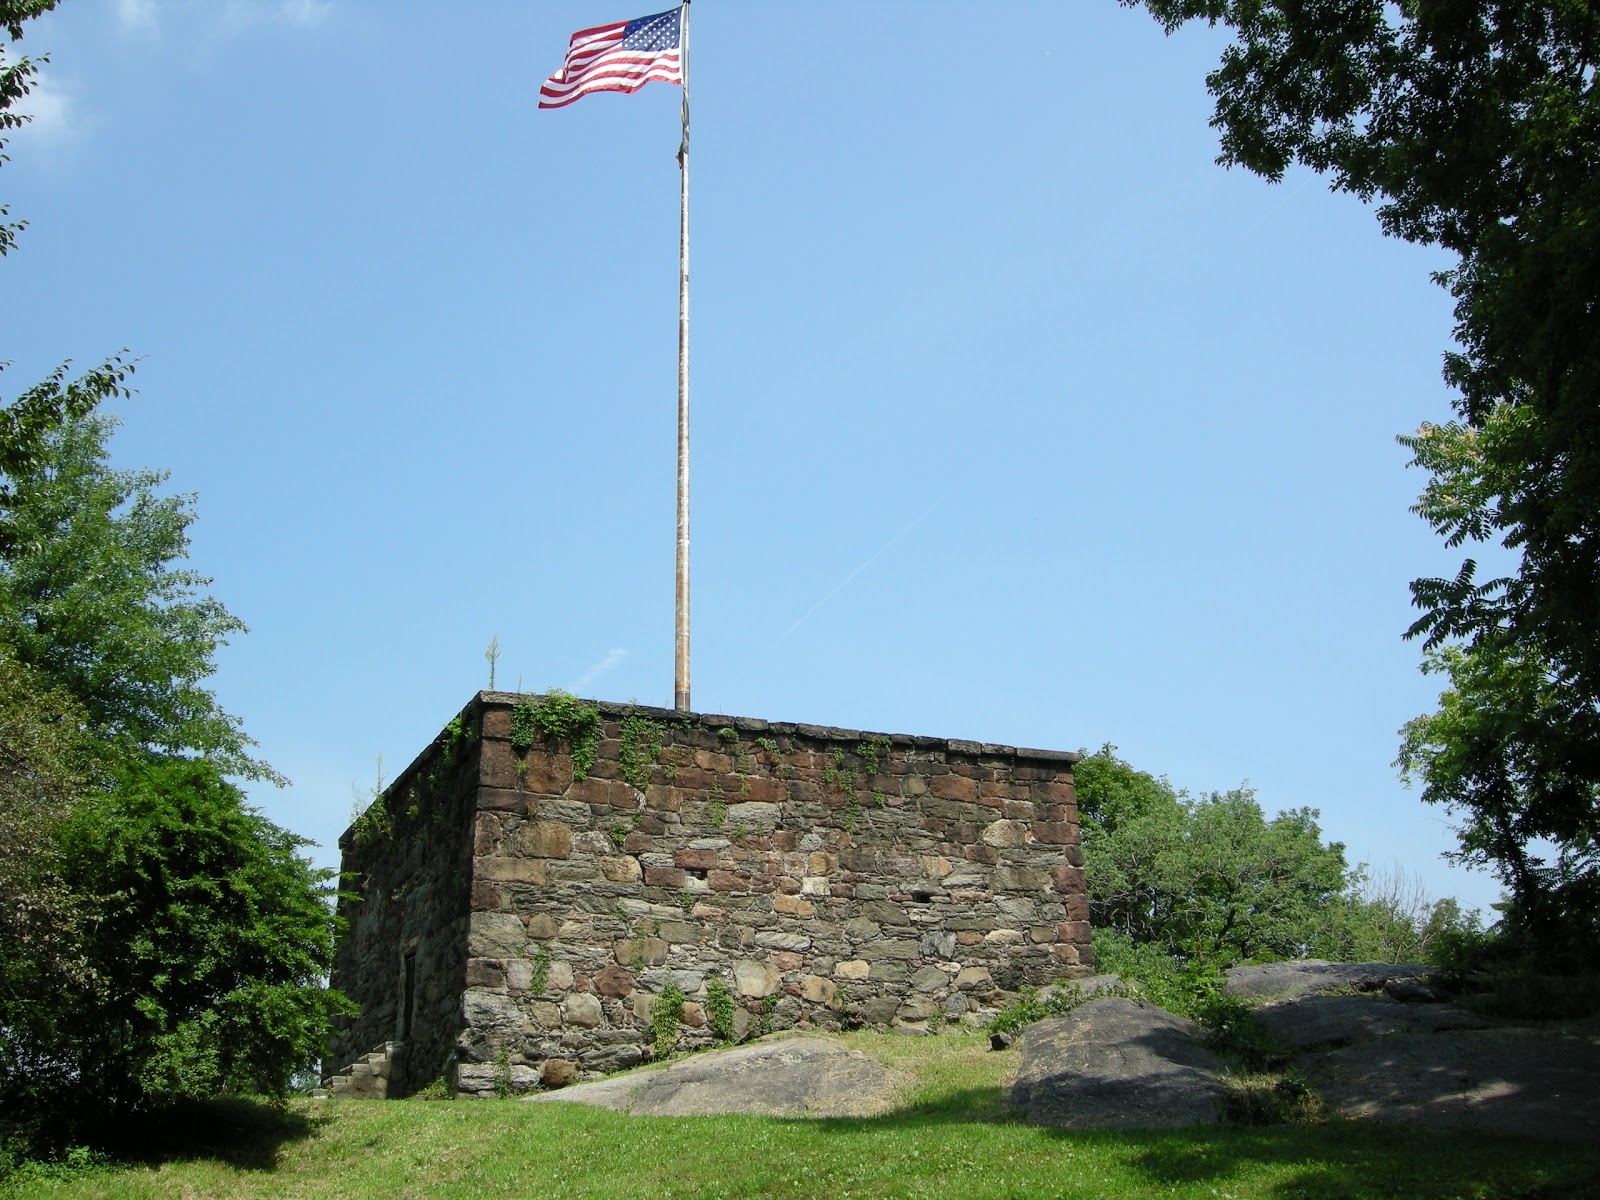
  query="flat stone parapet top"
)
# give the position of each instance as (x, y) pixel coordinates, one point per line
(823, 733)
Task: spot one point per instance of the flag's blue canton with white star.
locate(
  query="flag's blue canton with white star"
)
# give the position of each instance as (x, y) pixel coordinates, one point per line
(659, 32)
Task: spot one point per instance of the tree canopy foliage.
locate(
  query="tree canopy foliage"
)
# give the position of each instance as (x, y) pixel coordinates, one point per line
(42, 758)
(210, 940)
(159, 938)
(92, 599)
(162, 939)
(1209, 877)
(1211, 881)
(1475, 126)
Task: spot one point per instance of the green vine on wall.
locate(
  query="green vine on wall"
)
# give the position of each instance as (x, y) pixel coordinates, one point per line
(872, 753)
(719, 1000)
(559, 717)
(852, 815)
(452, 743)
(389, 809)
(665, 1014)
(373, 825)
(642, 739)
(541, 971)
(869, 750)
(835, 775)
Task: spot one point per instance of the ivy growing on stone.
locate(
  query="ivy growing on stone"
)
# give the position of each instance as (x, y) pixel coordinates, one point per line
(870, 749)
(665, 1014)
(541, 971)
(452, 743)
(719, 1000)
(642, 739)
(560, 717)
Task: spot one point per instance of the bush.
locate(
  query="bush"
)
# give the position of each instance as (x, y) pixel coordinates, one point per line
(206, 956)
(1194, 990)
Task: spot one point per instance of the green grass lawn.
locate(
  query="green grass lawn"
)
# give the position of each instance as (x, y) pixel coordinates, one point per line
(951, 1138)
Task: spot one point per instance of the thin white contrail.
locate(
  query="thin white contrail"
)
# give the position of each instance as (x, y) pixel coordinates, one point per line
(1282, 201)
(845, 582)
(612, 658)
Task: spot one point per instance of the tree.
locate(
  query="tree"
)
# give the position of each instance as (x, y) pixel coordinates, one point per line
(211, 939)
(1208, 880)
(158, 938)
(91, 601)
(198, 939)
(1395, 920)
(42, 410)
(193, 938)
(1476, 125)
(1499, 751)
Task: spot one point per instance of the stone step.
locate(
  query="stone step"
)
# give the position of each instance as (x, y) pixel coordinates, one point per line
(367, 1078)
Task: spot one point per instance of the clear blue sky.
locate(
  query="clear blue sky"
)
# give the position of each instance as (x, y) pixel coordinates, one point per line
(1015, 417)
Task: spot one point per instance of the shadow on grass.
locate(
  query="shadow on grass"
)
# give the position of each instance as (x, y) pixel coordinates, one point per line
(1333, 1159)
(245, 1134)
(1341, 1159)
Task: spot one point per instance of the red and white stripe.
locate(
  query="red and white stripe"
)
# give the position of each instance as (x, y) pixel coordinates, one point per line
(596, 64)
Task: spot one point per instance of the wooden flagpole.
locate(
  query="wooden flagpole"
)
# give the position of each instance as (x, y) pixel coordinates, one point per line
(680, 690)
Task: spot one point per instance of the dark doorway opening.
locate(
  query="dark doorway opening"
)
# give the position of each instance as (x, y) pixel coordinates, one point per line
(409, 1001)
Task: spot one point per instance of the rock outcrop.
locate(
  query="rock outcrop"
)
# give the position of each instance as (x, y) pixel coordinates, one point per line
(1328, 1022)
(1315, 976)
(793, 1077)
(1527, 1082)
(1115, 1063)
(1380, 1048)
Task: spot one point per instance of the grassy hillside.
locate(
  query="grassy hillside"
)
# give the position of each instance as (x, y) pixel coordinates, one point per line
(951, 1138)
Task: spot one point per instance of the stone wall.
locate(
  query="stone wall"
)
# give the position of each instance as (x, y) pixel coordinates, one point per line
(405, 898)
(829, 878)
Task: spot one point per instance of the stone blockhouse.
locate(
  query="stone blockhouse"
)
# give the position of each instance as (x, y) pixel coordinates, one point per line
(519, 898)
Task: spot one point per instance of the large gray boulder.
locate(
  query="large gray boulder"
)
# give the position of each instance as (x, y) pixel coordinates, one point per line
(1499, 1081)
(793, 1077)
(1314, 976)
(1116, 1063)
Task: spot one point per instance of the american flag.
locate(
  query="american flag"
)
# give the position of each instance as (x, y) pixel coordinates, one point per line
(620, 57)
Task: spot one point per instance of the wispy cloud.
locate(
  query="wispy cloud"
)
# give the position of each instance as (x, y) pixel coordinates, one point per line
(612, 658)
(136, 14)
(52, 112)
(210, 20)
(304, 12)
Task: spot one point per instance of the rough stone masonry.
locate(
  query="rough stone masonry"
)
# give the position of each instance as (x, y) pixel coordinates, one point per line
(518, 898)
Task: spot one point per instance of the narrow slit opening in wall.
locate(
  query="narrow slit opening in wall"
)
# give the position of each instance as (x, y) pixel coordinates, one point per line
(694, 873)
(408, 1002)
(921, 897)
